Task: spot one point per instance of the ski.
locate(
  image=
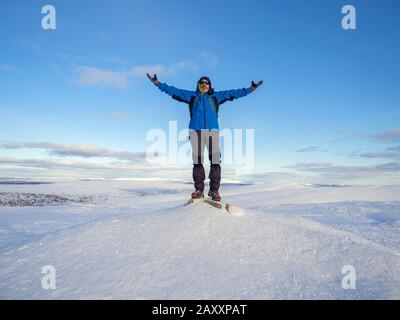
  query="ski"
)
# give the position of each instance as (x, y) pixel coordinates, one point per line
(215, 204)
(218, 204)
(191, 201)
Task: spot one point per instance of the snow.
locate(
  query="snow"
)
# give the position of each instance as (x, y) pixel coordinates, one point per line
(136, 239)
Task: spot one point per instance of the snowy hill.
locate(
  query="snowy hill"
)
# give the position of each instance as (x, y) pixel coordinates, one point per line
(138, 240)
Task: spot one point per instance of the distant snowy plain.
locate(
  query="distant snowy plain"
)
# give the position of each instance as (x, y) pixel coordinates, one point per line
(136, 239)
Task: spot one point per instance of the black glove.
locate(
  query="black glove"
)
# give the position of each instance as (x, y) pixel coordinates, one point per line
(153, 79)
(254, 85)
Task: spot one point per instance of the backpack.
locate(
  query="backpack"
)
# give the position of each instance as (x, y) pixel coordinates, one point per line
(216, 103)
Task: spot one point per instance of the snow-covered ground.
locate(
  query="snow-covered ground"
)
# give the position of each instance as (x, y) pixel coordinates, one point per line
(137, 240)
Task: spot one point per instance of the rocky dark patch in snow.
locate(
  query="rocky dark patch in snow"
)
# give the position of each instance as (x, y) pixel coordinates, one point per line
(320, 185)
(16, 199)
(224, 184)
(151, 191)
(24, 182)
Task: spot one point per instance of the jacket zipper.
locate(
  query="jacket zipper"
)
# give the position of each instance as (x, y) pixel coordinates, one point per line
(205, 123)
(204, 107)
(211, 104)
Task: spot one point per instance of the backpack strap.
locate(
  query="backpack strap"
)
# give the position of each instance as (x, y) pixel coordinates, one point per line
(216, 103)
(228, 99)
(178, 99)
(191, 104)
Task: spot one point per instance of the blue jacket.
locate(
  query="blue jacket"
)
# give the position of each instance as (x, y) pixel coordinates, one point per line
(203, 106)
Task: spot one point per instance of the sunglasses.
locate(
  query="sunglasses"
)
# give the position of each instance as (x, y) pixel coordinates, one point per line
(204, 82)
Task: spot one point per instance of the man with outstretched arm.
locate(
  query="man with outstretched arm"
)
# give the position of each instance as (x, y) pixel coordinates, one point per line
(204, 105)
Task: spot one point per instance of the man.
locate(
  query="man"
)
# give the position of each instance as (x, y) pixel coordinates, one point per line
(203, 127)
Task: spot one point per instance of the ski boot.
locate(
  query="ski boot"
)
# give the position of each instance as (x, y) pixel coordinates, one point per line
(197, 194)
(214, 195)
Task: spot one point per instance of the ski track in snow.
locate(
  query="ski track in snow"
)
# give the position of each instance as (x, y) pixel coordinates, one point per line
(140, 241)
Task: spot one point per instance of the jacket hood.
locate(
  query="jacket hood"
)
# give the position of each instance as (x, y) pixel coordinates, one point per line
(210, 91)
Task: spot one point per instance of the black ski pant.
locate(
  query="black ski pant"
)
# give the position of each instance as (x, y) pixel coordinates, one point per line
(199, 139)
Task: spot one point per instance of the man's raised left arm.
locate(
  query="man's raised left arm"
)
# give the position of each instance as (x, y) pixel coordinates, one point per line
(226, 95)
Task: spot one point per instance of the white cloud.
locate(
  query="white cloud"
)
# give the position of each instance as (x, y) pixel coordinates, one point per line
(101, 37)
(311, 149)
(78, 168)
(142, 70)
(308, 165)
(209, 58)
(389, 153)
(6, 67)
(183, 65)
(91, 76)
(163, 70)
(328, 170)
(388, 136)
(95, 161)
(117, 116)
(31, 46)
(80, 150)
(114, 60)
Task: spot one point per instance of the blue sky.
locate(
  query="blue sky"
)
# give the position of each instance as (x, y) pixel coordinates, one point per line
(77, 97)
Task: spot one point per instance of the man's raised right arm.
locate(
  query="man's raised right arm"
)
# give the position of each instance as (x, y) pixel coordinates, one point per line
(178, 94)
